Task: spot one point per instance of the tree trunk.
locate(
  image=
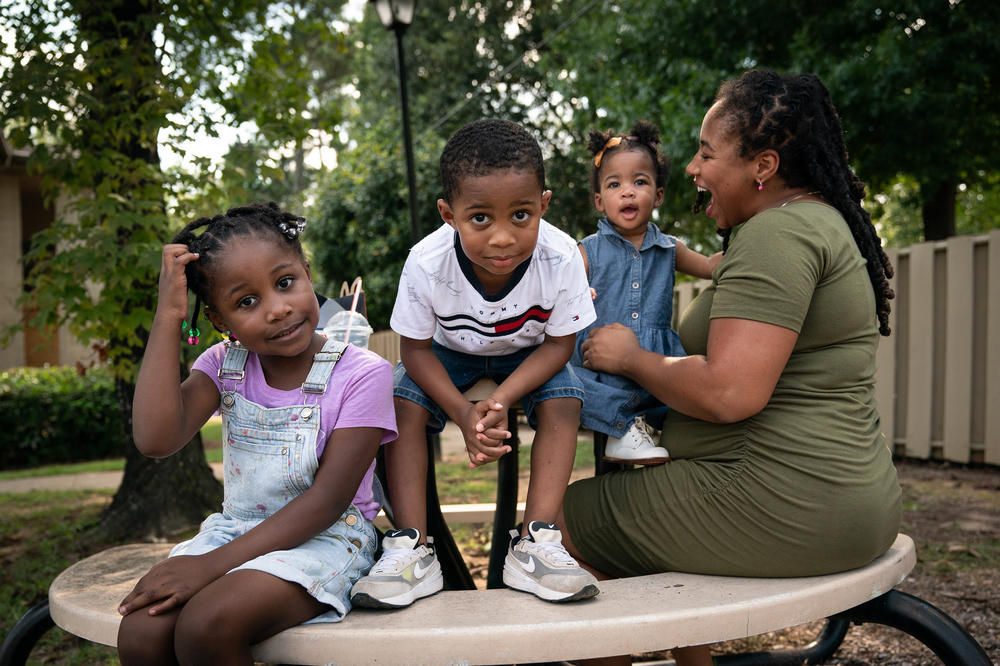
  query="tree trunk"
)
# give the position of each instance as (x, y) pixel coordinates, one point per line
(158, 498)
(938, 209)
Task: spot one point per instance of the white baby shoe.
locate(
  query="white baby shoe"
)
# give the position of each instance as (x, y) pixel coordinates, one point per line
(636, 446)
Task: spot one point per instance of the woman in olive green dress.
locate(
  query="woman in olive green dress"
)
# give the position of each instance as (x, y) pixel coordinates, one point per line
(779, 467)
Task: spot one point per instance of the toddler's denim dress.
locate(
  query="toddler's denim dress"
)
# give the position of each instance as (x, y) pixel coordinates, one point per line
(634, 288)
(269, 456)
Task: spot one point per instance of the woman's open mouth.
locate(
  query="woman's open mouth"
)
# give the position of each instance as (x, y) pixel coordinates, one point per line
(700, 200)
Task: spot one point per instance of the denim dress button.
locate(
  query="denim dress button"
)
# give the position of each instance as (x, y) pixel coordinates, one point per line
(306, 413)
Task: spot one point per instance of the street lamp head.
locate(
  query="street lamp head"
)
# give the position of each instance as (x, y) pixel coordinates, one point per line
(395, 14)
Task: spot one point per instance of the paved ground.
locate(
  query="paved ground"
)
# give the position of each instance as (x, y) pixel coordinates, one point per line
(451, 445)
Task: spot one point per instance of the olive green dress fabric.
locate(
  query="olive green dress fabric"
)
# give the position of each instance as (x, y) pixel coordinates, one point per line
(806, 486)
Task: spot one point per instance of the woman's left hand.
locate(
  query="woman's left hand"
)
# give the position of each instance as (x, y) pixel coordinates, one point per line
(608, 349)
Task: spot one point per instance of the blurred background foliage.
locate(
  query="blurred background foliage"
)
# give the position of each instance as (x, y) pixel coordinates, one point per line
(313, 87)
(142, 115)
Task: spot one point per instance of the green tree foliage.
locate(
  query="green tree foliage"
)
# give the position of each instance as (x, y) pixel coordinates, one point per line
(362, 221)
(95, 89)
(456, 55)
(915, 82)
(919, 91)
(628, 71)
(287, 92)
(87, 89)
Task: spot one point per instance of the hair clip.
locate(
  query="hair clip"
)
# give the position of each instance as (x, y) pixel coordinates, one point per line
(612, 142)
(292, 231)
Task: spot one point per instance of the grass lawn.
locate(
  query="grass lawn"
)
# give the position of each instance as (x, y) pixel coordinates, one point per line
(43, 532)
(40, 535)
(210, 433)
(951, 513)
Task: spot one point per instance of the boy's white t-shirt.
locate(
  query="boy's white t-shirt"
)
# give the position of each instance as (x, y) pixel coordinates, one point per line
(439, 297)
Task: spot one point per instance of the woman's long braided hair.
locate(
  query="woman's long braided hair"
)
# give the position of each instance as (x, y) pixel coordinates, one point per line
(794, 116)
(261, 220)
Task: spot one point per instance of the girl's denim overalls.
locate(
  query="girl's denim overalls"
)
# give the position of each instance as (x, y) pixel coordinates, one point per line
(269, 458)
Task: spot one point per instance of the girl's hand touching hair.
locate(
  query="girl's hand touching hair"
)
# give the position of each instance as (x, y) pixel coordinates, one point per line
(173, 300)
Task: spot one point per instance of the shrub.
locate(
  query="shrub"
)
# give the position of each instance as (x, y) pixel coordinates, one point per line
(56, 415)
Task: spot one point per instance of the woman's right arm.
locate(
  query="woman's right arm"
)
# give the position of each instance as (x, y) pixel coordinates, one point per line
(733, 380)
(166, 413)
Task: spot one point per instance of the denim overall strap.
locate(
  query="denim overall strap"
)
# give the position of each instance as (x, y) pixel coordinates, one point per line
(233, 365)
(322, 367)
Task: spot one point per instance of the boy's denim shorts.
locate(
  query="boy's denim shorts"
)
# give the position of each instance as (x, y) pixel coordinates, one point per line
(467, 369)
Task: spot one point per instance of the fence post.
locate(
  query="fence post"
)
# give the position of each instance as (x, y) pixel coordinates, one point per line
(920, 350)
(957, 433)
(991, 439)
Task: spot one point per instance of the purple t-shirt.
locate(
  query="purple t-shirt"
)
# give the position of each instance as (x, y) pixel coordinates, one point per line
(359, 395)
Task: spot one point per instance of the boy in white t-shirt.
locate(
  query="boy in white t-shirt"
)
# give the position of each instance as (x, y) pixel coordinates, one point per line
(496, 292)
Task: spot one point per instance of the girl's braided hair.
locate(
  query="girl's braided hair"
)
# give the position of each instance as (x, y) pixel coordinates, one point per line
(644, 135)
(794, 116)
(261, 220)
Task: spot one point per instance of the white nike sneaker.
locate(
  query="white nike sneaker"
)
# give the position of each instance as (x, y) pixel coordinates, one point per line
(407, 571)
(539, 564)
(636, 446)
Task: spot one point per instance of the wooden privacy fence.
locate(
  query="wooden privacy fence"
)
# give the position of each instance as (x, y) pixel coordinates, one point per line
(938, 379)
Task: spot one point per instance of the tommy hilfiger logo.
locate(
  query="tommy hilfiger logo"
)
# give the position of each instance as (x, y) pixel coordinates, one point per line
(508, 326)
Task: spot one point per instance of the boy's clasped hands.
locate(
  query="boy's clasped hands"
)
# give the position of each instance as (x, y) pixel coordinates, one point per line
(485, 431)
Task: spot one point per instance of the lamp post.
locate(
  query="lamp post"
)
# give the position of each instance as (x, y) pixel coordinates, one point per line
(396, 15)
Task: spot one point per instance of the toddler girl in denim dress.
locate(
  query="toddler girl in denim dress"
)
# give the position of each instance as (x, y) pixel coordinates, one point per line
(630, 266)
(303, 418)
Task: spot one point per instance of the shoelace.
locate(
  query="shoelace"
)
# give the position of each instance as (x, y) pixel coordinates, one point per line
(645, 431)
(554, 552)
(391, 560)
(640, 422)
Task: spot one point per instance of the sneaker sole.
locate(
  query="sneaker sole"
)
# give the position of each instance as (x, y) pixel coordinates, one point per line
(638, 461)
(425, 588)
(517, 580)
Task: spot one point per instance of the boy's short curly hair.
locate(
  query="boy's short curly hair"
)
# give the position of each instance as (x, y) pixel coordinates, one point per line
(488, 145)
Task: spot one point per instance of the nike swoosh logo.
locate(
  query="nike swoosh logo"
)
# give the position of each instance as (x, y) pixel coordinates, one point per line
(529, 566)
(419, 571)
